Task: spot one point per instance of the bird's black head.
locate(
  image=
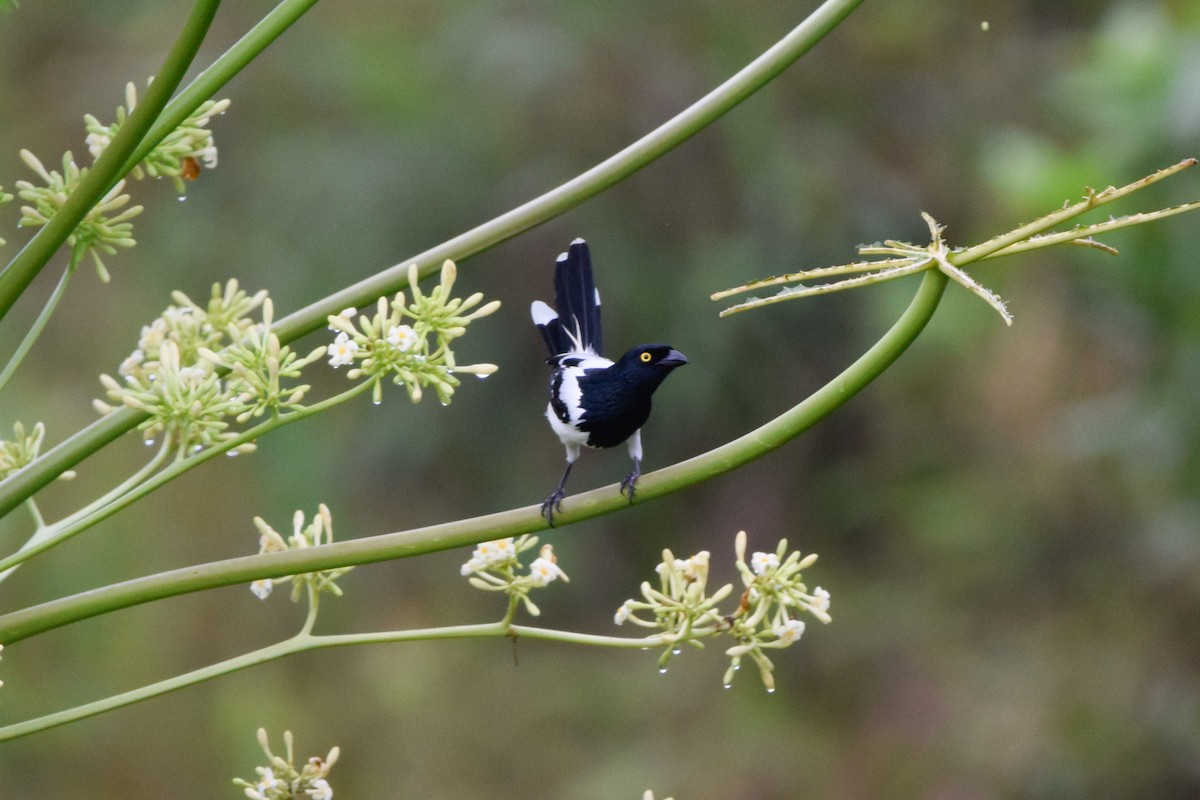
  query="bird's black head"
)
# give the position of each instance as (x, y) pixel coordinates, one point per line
(651, 363)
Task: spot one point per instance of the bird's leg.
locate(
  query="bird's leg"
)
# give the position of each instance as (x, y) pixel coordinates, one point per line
(554, 502)
(631, 478)
(635, 452)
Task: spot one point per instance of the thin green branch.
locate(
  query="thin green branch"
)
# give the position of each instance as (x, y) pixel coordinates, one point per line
(557, 201)
(305, 641)
(47, 536)
(1081, 233)
(39, 324)
(27, 622)
(111, 165)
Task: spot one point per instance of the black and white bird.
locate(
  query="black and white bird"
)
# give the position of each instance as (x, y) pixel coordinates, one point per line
(594, 401)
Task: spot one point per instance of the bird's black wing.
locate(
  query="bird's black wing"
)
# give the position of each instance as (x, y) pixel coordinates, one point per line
(576, 299)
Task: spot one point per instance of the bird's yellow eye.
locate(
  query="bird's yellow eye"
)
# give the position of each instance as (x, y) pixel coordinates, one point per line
(645, 357)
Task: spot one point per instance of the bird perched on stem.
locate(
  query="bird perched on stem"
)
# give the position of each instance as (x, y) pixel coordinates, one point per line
(594, 401)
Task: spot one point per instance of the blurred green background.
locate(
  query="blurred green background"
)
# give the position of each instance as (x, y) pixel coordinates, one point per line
(1008, 521)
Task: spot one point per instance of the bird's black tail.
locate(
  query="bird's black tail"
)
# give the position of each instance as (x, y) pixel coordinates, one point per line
(575, 328)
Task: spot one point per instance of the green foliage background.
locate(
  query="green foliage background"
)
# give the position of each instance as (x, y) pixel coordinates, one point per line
(1008, 521)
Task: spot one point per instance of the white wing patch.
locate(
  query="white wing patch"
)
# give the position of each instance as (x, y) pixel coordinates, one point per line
(569, 391)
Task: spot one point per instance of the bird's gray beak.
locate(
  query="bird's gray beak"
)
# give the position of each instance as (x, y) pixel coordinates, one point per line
(674, 359)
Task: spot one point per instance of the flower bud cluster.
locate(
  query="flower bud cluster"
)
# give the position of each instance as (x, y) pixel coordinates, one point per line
(316, 533)
(766, 616)
(23, 449)
(496, 567)
(104, 229)
(258, 364)
(280, 779)
(410, 342)
(182, 152)
(680, 607)
(175, 373)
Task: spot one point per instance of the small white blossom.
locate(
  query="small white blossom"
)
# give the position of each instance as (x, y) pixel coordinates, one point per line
(320, 790)
(822, 599)
(402, 337)
(623, 612)
(96, 143)
(543, 571)
(789, 631)
(262, 588)
(761, 562)
(342, 351)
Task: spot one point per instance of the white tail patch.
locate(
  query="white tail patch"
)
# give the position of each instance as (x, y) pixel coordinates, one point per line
(542, 314)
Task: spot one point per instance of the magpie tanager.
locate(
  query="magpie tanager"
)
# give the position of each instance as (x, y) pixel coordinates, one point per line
(594, 401)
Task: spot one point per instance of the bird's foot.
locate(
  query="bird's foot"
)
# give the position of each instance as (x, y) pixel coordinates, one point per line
(630, 481)
(551, 504)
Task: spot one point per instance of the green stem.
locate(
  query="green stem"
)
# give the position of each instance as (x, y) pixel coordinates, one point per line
(36, 513)
(565, 197)
(77, 523)
(47, 536)
(39, 324)
(224, 69)
(304, 641)
(111, 165)
(27, 622)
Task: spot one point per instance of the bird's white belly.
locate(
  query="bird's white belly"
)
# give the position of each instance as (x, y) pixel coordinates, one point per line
(568, 433)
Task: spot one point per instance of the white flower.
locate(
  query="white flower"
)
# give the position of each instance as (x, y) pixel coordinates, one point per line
(402, 337)
(761, 562)
(495, 552)
(209, 156)
(623, 612)
(789, 631)
(545, 567)
(262, 588)
(822, 599)
(321, 790)
(489, 554)
(96, 143)
(543, 571)
(342, 351)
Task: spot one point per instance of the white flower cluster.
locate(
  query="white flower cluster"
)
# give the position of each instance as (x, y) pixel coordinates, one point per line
(496, 567)
(281, 780)
(766, 616)
(174, 374)
(318, 532)
(410, 342)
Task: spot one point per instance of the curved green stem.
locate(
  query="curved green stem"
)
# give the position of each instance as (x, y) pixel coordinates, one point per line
(302, 642)
(563, 198)
(135, 490)
(27, 622)
(111, 165)
(39, 324)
